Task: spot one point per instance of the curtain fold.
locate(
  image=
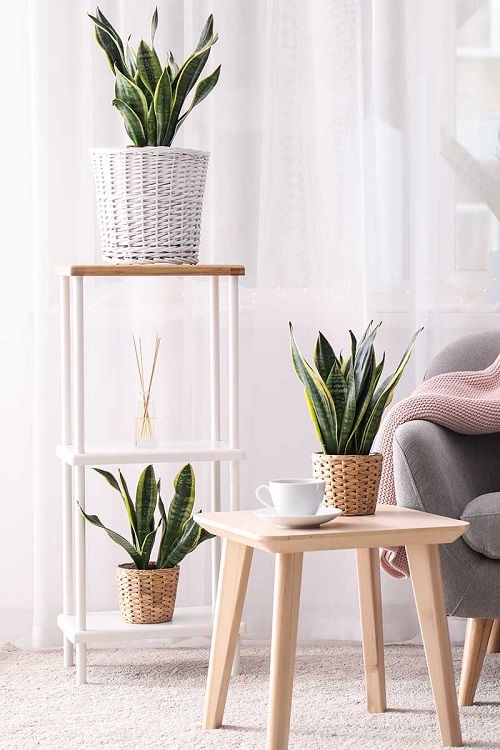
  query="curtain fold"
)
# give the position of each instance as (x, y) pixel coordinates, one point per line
(325, 181)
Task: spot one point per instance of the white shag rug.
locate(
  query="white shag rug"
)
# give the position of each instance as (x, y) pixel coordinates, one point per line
(152, 699)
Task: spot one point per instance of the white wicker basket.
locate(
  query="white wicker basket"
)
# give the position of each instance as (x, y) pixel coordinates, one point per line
(149, 202)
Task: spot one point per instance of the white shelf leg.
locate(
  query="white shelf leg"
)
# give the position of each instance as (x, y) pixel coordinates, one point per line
(215, 420)
(67, 495)
(79, 473)
(234, 417)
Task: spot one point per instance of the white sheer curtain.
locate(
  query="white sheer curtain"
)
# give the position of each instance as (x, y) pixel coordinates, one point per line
(326, 181)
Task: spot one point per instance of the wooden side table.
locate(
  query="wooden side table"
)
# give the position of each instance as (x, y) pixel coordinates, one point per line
(421, 533)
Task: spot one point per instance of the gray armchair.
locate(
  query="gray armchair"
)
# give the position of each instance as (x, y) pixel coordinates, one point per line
(439, 471)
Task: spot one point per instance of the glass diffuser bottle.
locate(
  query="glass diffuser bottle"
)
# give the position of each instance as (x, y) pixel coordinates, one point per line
(146, 435)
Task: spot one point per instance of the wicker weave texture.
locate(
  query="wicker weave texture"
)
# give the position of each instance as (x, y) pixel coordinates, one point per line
(351, 482)
(146, 596)
(149, 202)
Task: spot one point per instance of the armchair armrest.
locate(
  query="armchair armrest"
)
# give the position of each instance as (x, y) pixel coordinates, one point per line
(439, 471)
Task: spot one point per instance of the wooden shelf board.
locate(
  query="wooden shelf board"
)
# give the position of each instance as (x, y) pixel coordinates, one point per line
(199, 450)
(156, 269)
(109, 626)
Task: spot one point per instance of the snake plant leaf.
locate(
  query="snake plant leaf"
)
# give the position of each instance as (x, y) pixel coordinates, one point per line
(320, 398)
(381, 398)
(118, 538)
(130, 59)
(379, 368)
(179, 512)
(145, 502)
(313, 416)
(172, 66)
(324, 357)
(186, 543)
(148, 66)
(110, 47)
(108, 476)
(154, 26)
(365, 396)
(184, 81)
(337, 386)
(147, 545)
(129, 92)
(362, 366)
(129, 505)
(202, 90)
(101, 18)
(133, 125)
(151, 125)
(206, 34)
(349, 413)
(162, 104)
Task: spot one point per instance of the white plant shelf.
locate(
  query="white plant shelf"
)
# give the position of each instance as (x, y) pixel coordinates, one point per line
(109, 626)
(79, 626)
(199, 450)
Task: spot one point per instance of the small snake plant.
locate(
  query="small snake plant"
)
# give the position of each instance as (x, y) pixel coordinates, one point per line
(344, 396)
(180, 534)
(151, 96)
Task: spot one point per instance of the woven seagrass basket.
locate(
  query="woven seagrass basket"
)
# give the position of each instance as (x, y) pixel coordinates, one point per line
(146, 596)
(149, 202)
(351, 482)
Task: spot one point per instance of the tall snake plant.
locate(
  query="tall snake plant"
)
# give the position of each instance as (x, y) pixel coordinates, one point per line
(345, 397)
(151, 96)
(180, 534)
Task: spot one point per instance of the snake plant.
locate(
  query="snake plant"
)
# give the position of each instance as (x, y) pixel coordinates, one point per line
(151, 96)
(180, 534)
(345, 397)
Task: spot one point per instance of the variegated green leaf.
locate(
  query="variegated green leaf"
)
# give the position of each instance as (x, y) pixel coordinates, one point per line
(381, 398)
(145, 502)
(133, 125)
(154, 26)
(337, 386)
(110, 47)
(148, 67)
(183, 83)
(130, 59)
(202, 91)
(324, 357)
(129, 92)
(349, 412)
(101, 19)
(151, 125)
(186, 543)
(206, 34)
(162, 105)
(179, 512)
(320, 398)
(118, 538)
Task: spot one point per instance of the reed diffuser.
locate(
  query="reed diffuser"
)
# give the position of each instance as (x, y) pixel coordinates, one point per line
(146, 434)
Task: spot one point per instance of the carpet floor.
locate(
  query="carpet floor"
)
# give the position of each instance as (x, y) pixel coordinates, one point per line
(152, 699)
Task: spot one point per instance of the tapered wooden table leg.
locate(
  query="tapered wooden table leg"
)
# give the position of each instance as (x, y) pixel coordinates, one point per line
(284, 642)
(476, 641)
(235, 568)
(425, 569)
(370, 605)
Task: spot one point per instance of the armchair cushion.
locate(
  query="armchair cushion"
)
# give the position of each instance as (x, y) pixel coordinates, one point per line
(483, 514)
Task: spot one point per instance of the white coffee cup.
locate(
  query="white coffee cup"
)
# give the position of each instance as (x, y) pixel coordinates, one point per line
(293, 497)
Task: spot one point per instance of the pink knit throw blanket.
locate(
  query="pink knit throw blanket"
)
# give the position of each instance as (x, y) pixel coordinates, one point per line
(465, 402)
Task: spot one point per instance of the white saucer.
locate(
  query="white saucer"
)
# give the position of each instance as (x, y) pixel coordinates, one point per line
(298, 522)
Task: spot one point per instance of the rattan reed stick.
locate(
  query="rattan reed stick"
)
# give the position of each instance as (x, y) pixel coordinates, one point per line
(147, 431)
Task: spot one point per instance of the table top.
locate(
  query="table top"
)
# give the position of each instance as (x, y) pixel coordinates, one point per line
(151, 269)
(390, 526)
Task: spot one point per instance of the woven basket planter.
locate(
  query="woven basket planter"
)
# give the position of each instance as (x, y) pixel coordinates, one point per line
(351, 482)
(146, 596)
(149, 202)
